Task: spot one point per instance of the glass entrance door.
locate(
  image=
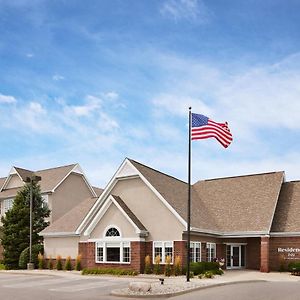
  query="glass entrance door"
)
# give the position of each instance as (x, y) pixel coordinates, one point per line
(235, 256)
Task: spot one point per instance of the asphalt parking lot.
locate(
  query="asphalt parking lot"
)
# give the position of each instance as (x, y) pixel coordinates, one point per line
(46, 287)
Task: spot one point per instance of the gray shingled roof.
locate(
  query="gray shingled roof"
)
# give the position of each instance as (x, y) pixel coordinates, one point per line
(2, 180)
(241, 204)
(97, 190)
(24, 173)
(129, 213)
(70, 221)
(287, 212)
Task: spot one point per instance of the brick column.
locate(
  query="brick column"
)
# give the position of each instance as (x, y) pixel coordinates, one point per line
(180, 250)
(138, 253)
(264, 254)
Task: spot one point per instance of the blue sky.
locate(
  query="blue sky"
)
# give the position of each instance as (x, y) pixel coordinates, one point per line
(94, 82)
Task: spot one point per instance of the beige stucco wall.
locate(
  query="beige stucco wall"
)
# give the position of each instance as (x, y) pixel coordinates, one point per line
(64, 246)
(14, 182)
(114, 217)
(71, 192)
(155, 216)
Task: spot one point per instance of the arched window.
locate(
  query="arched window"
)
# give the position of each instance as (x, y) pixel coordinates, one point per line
(112, 232)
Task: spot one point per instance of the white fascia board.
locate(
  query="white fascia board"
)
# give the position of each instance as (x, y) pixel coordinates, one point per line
(161, 198)
(110, 200)
(119, 175)
(235, 234)
(101, 198)
(59, 234)
(12, 172)
(284, 234)
(97, 217)
(76, 170)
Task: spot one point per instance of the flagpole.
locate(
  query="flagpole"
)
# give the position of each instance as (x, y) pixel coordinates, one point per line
(189, 201)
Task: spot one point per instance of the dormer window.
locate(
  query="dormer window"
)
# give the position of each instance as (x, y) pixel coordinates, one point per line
(111, 232)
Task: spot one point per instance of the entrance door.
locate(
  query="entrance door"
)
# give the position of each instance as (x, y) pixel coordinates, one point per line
(235, 256)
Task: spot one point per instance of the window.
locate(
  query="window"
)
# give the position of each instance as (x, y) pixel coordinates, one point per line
(6, 205)
(113, 252)
(112, 232)
(195, 251)
(45, 201)
(163, 249)
(210, 251)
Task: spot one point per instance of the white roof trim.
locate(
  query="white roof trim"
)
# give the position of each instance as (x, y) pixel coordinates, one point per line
(229, 234)
(12, 172)
(76, 169)
(284, 234)
(59, 234)
(110, 200)
(120, 175)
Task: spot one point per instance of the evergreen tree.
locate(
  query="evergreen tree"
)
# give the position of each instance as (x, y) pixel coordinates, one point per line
(15, 235)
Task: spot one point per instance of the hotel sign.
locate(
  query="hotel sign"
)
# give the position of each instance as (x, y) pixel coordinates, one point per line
(289, 252)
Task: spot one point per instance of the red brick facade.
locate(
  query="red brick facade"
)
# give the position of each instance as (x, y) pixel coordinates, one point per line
(261, 253)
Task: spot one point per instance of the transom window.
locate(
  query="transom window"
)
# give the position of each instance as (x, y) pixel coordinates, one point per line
(112, 232)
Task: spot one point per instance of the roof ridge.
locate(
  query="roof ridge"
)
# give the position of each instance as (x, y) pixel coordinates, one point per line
(23, 169)
(156, 170)
(239, 176)
(56, 167)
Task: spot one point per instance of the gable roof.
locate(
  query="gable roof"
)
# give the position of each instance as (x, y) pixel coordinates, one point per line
(23, 173)
(241, 204)
(129, 213)
(98, 191)
(50, 179)
(286, 217)
(69, 222)
(2, 180)
(53, 176)
(175, 192)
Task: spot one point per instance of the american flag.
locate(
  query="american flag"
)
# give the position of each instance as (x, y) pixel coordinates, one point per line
(203, 128)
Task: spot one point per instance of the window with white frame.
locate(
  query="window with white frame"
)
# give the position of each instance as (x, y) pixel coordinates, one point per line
(195, 251)
(163, 249)
(45, 201)
(113, 252)
(6, 205)
(210, 251)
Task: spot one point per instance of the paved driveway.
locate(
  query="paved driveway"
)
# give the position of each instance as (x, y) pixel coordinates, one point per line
(247, 291)
(46, 287)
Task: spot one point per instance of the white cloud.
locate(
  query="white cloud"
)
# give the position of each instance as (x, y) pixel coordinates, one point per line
(6, 99)
(192, 10)
(92, 104)
(29, 55)
(58, 77)
(111, 95)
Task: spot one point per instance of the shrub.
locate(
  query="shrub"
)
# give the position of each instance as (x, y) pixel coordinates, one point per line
(208, 274)
(168, 269)
(24, 256)
(177, 266)
(2, 267)
(78, 263)
(68, 265)
(294, 268)
(50, 263)
(148, 269)
(218, 272)
(100, 271)
(58, 263)
(41, 261)
(156, 268)
(202, 267)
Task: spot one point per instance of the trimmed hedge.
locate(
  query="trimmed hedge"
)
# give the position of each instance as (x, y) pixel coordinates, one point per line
(294, 266)
(100, 271)
(24, 256)
(203, 266)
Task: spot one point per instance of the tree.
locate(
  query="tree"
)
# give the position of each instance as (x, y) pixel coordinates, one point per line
(15, 235)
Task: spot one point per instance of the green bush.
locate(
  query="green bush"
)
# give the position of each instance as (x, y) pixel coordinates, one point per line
(294, 266)
(68, 264)
(2, 267)
(208, 274)
(100, 271)
(203, 266)
(24, 256)
(78, 263)
(58, 263)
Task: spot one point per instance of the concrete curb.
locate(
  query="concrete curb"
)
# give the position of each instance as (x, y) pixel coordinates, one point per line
(115, 292)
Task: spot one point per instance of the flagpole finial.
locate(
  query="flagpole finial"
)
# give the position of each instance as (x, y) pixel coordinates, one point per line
(190, 108)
